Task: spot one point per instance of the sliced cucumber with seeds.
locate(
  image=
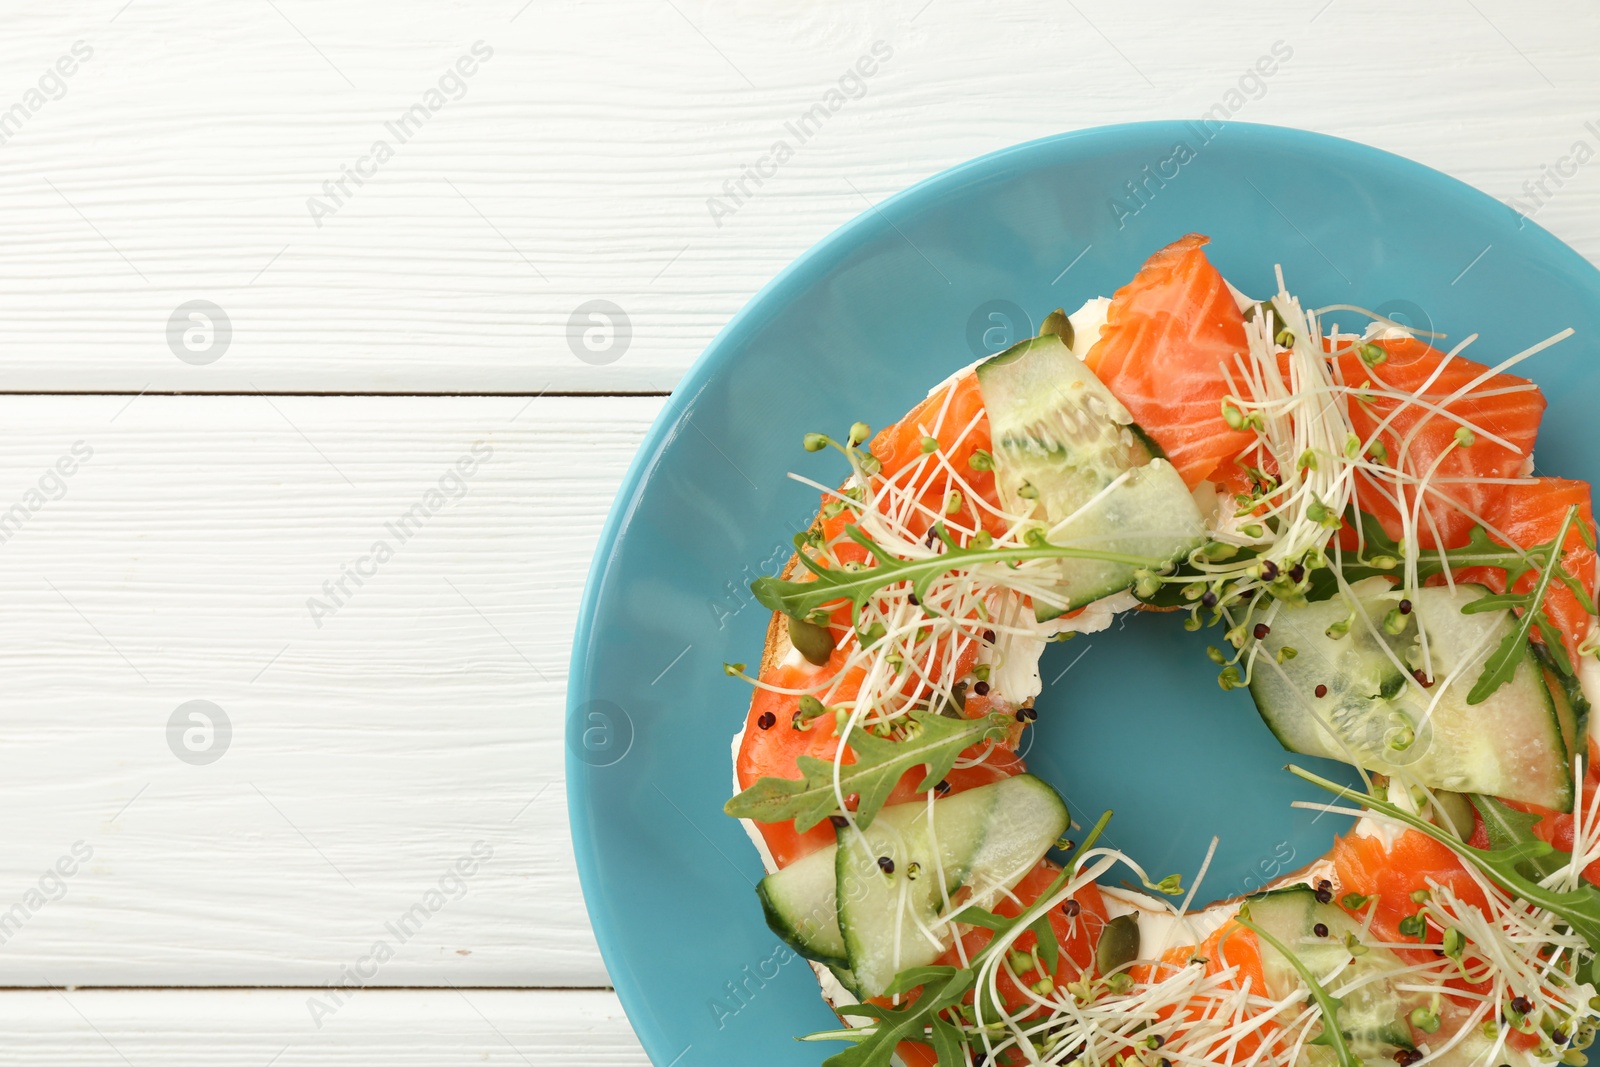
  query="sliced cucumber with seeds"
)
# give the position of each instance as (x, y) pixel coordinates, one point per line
(801, 907)
(1373, 713)
(896, 877)
(1373, 1016)
(1060, 440)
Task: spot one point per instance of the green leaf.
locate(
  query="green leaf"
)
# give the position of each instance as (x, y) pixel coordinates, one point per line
(1553, 645)
(912, 977)
(1579, 908)
(1502, 663)
(1509, 828)
(948, 1043)
(936, 743)
(910, 1023)
(1049, 947)
(831, 586)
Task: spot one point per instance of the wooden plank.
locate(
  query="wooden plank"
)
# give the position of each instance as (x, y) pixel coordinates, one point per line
(402, 747)
(185, 159)
(254, 1028)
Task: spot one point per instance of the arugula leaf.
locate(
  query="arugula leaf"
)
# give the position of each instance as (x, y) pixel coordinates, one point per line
(1509, 828)
(1331, 1035)
(936, 742)
(910, 1023)
(857, 586)
(1579, 908)
(1502, 663)
(948, 1043)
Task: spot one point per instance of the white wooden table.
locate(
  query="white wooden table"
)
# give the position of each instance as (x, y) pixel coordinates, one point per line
(392, 317)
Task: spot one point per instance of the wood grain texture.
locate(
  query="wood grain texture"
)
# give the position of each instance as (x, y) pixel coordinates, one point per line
(419, 724)
(257, 1028)
(578, 162)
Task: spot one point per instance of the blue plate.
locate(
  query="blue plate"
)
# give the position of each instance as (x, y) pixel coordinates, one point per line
(859, 328)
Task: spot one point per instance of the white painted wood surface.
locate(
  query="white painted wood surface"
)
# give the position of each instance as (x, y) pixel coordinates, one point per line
(258, 1028)
(369, 754)
(578, 162)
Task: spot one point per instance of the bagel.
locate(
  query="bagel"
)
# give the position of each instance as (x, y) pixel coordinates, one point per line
(1356, 514)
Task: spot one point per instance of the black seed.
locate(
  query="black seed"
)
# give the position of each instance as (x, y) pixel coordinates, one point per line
(1165, 1062)
(982, 689)
(913, 598)
(767, 720)
(1323, 883)
(1321, 929)
(1521, 1005)
(1297, 573)
(1269, 570)
(1325, 896)
(1422, 679)
(1026, 714)
(1209, 599)
(1559, 1037)
(797, 720)
(1156, 1040)
(1406, 1057)
(1071, 909)
(1261, 631)
(942, 788)
(988, 635)
(885, 864)
(1321, 690)
(839, 821)
(1405, 607)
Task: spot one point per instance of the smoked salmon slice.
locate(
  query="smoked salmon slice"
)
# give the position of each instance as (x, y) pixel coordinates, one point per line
(1168, 335)
(1504, 405)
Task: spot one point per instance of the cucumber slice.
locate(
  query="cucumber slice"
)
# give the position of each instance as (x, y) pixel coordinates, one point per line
(1063, 438)
(1373, 714)
(986, 839)
(801, 907)
(1373, 1015)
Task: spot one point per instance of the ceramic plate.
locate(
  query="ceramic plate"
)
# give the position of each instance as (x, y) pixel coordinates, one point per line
(860, 327)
